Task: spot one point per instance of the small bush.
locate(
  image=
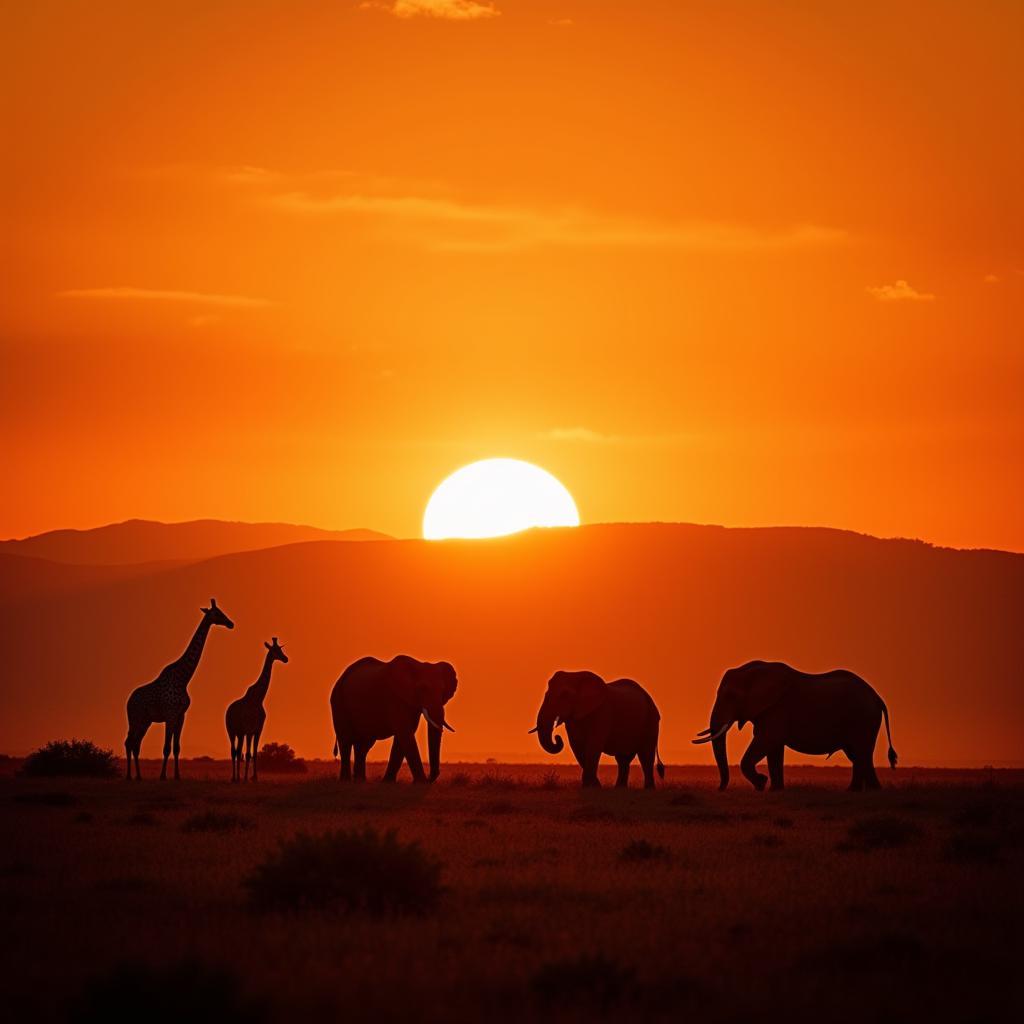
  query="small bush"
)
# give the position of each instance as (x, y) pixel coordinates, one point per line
(70, 757)
(279, 757)
(460, 779)
(52, 799)
(550, 780)
(972, 848)
(588, 981)
(214, 821)
(884, 832)
(347, 870)
(642, 850)
(188, 990)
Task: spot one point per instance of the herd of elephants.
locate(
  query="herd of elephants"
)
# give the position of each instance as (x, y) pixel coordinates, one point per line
(375, 700)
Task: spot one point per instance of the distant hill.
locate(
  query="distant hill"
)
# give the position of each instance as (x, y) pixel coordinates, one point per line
(142, 540)
(937, 631)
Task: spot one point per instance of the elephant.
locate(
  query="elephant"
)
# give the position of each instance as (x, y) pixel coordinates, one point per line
(618, 718)
(810, 713)
(374, 699)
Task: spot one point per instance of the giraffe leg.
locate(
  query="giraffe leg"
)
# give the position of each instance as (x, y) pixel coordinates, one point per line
(177, 745)
(168, 732)
(255, 748)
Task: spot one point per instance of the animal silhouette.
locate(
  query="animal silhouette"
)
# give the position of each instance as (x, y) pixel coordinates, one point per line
(618, 718)
(166, 699)
(245, 717)
(810, 713)
(373, 700)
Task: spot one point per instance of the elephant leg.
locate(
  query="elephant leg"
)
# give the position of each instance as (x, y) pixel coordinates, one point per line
(647, 766)
(231, 741)
(589, 764)
(857, 775)
(775, 767)
(395, 760)
(359, 770)
(622, 782)
(345, 750)
(412, 755)
(248, 754)
(749, 762)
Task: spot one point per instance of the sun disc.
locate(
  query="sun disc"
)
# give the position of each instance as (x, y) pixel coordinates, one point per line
(496, 497)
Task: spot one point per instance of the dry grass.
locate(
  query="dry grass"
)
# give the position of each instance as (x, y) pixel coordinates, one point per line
(543, 912)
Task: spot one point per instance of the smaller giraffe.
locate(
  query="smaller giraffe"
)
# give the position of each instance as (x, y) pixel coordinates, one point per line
(245, 717)
(166, 699)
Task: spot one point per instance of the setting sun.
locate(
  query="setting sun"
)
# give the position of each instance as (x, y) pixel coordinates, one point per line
(495, 497)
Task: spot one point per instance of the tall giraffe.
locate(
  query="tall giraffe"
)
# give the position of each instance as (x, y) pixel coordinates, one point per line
(166, 698)
(245, 717)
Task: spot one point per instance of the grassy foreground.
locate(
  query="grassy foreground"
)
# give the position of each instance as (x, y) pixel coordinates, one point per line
(813, 903)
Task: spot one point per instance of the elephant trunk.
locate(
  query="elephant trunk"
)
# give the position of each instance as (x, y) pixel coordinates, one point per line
(545, 726)
(720, 722)
(434, 750)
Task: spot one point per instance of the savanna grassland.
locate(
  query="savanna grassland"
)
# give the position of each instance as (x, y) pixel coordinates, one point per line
(552, 902)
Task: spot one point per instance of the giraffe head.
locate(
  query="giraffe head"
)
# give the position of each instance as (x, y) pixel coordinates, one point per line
(215, 616)
(276, 654)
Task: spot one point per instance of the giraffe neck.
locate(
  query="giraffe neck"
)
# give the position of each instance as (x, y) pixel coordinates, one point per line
(189, 661)
(258, 690)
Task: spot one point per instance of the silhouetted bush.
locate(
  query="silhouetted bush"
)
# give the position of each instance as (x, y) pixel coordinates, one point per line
(972, 848)
(883, 832)
(70, 757)
(51, 799)
(550, 780)
(347, 870)
(279, 757)
(588, 981)
(641, 849)
(188, 990)
(215, 821)
(460, 779)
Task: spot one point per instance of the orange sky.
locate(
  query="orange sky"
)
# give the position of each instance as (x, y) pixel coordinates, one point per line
(298, 261)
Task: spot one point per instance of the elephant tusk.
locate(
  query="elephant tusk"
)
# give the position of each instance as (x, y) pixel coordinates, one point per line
(721, 732)
(703, 732)
(430, 721)
(445, 725)
(528, 731)
(559, 721)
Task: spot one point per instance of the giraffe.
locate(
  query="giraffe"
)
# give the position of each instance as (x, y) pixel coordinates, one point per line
(245, 717)
(166, 698)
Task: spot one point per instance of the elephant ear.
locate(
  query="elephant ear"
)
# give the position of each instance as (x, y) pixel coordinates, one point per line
(764, 689)
(403, 681)
(591, 693)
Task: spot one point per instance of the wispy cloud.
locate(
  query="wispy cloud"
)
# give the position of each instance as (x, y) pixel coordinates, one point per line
(447, 10)
(450, 224)
(583, 435)
(898, 292)
(126, 294)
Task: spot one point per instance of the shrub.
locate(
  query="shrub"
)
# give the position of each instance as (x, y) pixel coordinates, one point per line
(187, 990)
(641, 849)
(591, 981)
(214, 821)
(279, 757)
(347, 870)
(74, 757)
(883, 832)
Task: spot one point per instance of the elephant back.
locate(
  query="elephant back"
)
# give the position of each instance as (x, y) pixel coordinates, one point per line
(631, 686)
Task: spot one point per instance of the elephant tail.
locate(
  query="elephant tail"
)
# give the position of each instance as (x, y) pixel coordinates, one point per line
(659, 764)
(335, 747)
(888, 736)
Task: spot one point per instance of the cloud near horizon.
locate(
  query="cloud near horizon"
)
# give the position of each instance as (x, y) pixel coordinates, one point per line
(445, 10)
(899, 292)
(125, 294)
(448, 224)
